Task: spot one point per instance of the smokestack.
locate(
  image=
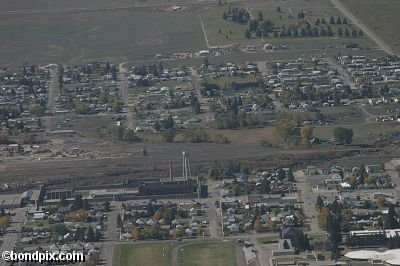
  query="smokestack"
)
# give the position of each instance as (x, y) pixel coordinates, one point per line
(170, 171)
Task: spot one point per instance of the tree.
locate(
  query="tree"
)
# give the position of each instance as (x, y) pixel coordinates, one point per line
(107, 206)
(340, 32)
(332, 20)
(380, 201)
(224, 16)
(168, 135)
(119, 221)
(306, 133)
(344, 21)
(278, 9)
(320, 202)
(317, 22)
(343, 135)
(323, 216)
(286, 245)
(323, 21)
(136, 235)
(258, 226)
(247, 34)
(360, 33)
(299, 240)
(347, 32)
(78, 202)
(338, 21)
(354, 33)
(260, 16)
(79, 234)
(290, 176)
(265, 186)
(107, 68)
(90, 234)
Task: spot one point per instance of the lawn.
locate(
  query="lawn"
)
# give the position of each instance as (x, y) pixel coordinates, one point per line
(116, 35)
(143, 254)
(210, 254)
(381, 16)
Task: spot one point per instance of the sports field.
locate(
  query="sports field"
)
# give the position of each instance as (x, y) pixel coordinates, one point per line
(143, 254)
(210, 254)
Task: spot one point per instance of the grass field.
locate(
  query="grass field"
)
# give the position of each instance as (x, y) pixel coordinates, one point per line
(143, 254)
(82, 36)
(381, 16)
(210, 254)
(363, 133)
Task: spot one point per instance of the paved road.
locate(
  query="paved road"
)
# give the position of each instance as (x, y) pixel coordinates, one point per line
(123, 87)
(309, 198)
(53, 90)
(203, 104)
(364, 28)
(212, 212)
(111, 235)
(12, 235)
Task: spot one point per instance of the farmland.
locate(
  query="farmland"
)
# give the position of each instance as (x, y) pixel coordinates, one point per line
(137, 255)
(381, 16)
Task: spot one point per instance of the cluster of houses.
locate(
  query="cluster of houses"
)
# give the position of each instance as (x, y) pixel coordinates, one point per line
(309, 75)
(23, 94)
(147, 219)
(374, 73)
(209, 72)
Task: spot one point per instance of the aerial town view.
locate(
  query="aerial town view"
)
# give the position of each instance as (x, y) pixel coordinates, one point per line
(200, 132)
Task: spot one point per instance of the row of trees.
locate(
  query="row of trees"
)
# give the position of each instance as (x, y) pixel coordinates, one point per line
(308, 32)
(332, 21)
(239, 15)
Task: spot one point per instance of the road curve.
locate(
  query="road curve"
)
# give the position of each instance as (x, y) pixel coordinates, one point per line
(363, 27)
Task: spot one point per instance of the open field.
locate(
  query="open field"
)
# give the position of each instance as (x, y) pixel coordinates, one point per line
(210, 254)
(248, 136)
(363, 133)
(380, 16)
(143, 254)
(95, 35)
(52, 5)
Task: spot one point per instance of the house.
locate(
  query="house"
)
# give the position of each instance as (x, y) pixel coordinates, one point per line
(288, 233)
(285, 247)
(234, 228)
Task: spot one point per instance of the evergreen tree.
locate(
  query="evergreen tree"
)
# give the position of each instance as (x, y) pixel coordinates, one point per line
(332, 20)
(90, 235)
(338, 21)
(347, 32)
(260, 16)
(340, 32)
(247, 34)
